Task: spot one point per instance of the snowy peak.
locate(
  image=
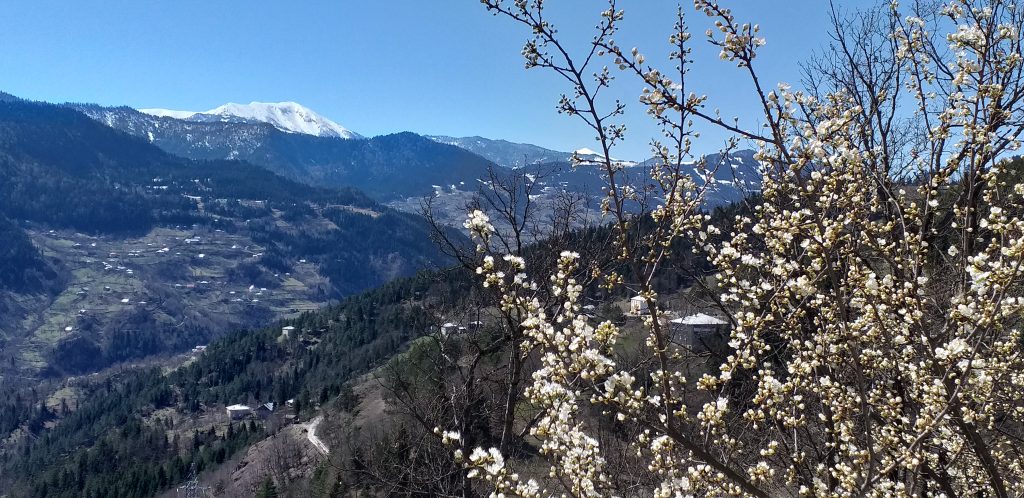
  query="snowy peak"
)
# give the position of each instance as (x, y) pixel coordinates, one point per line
(285, 116)
(289, 117)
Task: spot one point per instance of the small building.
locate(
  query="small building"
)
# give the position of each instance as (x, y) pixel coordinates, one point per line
(287, 331)
(265, 410)
(699, 331)
(238, 412)
(638, 306)
(448, 329)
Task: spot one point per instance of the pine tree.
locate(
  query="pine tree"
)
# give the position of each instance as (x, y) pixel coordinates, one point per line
(267, 489)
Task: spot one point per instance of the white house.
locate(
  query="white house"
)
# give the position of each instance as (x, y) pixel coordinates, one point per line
(638, 306)
(448, 329)
(695, 331)
(238, 412)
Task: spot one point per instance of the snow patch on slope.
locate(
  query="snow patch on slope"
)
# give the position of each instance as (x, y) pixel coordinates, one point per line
(167, 113)
(590, 156)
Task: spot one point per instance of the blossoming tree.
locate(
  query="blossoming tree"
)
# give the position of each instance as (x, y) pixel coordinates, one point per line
(873, 290)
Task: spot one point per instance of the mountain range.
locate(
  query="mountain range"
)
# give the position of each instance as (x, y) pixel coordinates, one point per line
(505, 153)
(386, 167)
(399, 169)
(119, 250)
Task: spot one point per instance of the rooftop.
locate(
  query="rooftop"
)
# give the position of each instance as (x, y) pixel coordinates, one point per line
(700, 319)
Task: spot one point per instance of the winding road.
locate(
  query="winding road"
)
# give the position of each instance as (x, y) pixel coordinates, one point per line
(313, 439)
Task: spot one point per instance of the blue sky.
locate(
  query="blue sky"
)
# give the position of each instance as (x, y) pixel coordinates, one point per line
(433, 67)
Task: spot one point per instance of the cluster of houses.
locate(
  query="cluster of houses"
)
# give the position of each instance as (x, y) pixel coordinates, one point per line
(240, 412)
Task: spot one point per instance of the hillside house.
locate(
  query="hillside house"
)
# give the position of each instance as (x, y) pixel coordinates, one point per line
(265, 410)
(638, 306)
(238, 412)
(448, 329)
(699, 331)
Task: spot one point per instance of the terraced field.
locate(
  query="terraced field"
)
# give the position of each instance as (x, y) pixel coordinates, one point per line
(177, 287)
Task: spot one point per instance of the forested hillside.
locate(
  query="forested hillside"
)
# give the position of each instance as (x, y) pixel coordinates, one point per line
(131, 434)
(25, 268)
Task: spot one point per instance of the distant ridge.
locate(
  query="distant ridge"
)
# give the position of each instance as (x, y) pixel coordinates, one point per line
(503, 152)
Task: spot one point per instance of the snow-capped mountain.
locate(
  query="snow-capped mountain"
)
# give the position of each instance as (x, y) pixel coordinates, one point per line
(385, 167)
(591, 156)
(398, 167)
(733, 176)
(286, 116)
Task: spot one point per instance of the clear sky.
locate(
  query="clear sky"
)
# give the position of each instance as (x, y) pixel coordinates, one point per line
(376, 67)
